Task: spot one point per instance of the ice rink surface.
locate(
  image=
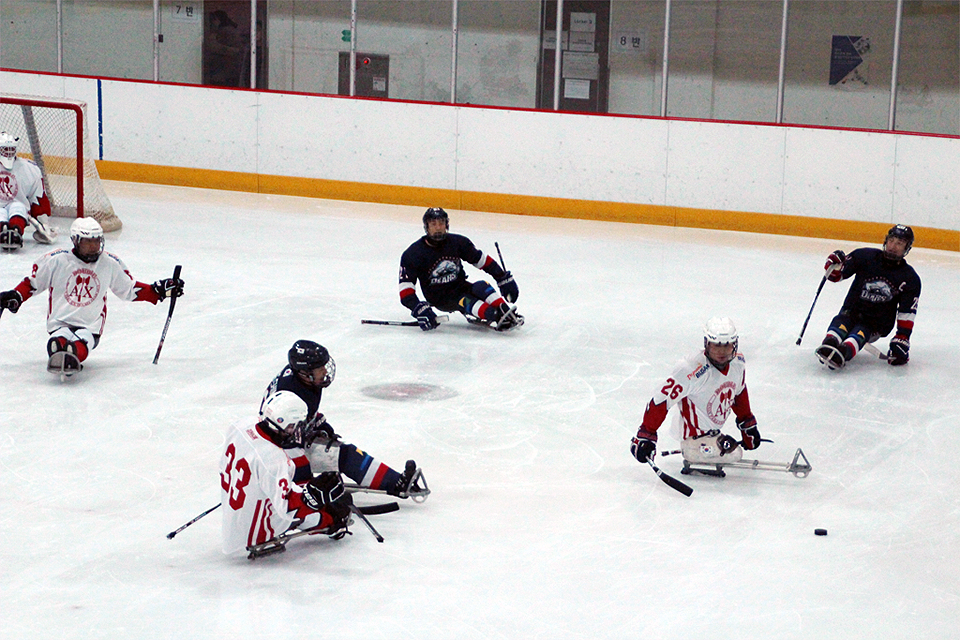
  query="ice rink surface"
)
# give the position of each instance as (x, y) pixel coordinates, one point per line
(541, 524)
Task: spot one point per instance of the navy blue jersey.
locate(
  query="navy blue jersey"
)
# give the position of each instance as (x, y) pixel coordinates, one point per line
(883, 292)
(439, 270)
(288, 380)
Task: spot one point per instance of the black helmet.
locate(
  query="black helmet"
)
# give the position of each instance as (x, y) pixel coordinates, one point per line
(436, 213)
(903, 232)
(305, 356)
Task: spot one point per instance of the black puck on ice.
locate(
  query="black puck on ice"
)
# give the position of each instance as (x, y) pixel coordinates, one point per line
(820, 532)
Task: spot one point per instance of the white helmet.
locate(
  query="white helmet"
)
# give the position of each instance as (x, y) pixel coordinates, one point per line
(85, 229)
(284, 413)
(8, 149)
(720, 331)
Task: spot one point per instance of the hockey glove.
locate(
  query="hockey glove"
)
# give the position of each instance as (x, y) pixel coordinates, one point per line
(168, 288)
(339, 510)
(323, 490)
(11, 300)
(319, 429)
(726, 444)
(899, 351)
(643, 446)
(425, 315)
(508, 287)
(834, 266)
(749, 431)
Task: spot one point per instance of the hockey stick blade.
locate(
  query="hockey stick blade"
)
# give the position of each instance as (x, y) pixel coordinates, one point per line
(379, 509)
(872, 349)
(173, 303)
(670, 481)
(407, 323)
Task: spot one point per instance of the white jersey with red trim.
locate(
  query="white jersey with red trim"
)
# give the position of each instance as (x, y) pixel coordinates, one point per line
(23, 183)
(259, 490)
(78, 290)
(705, 395)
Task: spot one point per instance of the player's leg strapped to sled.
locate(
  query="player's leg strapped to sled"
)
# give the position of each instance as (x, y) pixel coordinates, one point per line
(483, 305)
(67, 348)
(845, 338)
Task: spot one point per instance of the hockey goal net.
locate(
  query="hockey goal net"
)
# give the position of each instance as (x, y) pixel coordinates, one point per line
(53, 133)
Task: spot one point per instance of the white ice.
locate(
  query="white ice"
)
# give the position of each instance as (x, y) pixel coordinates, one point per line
(541, 524)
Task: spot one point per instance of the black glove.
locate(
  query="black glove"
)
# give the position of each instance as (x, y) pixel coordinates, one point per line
(425, 315)
(10, 300)
(318, 428)
(168, 288)
(749, 431)
(508, 288)
(834, 266)
(726, 444)
(340, 511)
(643, 446)
(899, 351)
(323, 490)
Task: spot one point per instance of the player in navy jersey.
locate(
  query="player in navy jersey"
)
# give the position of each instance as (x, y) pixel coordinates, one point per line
(436, 262)
(309, 371)
(884, 293)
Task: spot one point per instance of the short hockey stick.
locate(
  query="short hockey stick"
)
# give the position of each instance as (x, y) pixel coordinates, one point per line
(358, 511)
(670, 481)
(408, 323)
(211, 509)
(823, 281)
(173, 303)
(872, 349)
(502, 265)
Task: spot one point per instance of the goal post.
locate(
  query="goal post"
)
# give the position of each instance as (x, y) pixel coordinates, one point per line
(53, 132)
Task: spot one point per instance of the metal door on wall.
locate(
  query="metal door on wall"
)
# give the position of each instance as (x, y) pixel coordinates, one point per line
(585, 47)
(372, 78)
(226, 43)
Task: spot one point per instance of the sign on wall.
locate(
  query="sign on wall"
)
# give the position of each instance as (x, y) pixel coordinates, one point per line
(848, 66)
(185, 12)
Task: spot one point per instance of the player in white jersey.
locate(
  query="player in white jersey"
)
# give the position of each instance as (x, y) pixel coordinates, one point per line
(77, 282)
(22, 198)
(266, 484)
(707, 387)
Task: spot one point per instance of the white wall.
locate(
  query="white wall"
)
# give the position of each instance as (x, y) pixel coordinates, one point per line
(838, 174)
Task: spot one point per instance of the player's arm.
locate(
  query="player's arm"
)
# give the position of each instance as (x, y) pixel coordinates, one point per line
(408, 285)
(899, 352)
(746, 422)
(644, 445)
(40, 205)
(505, 282)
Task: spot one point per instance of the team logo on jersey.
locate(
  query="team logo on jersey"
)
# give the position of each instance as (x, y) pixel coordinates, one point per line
(879, 290)
(445, 271)
(83, 287)
(718, 407)
(9, 187)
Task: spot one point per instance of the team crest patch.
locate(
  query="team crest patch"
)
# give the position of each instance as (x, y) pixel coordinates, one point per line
(445, 272)
(8, 187)
(83, 287)
(718, 407)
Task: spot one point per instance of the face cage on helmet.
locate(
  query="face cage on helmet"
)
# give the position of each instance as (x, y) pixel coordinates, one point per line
(326, 380)
(287, 439)
(9, 152)
(735, 343)
(83, 256)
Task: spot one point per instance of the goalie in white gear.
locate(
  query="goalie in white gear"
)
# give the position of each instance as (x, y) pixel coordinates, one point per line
(706, 386)
(266, 483)
(77, 282)
(22, 199)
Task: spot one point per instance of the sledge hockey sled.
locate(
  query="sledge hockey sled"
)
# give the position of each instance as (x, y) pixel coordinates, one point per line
(799, 467)
(508, 322)
(64, 364)
(417, 489)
